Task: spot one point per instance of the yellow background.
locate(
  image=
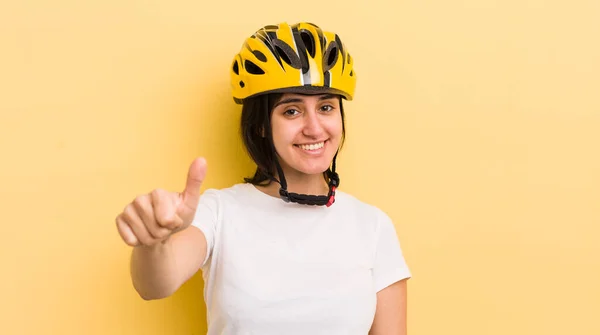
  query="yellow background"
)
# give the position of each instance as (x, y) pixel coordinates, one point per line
(476, 126)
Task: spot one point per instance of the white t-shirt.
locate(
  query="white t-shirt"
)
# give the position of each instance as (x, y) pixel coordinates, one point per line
(282, 268)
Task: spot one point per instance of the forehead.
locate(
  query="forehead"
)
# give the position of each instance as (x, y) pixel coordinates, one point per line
(306, 98)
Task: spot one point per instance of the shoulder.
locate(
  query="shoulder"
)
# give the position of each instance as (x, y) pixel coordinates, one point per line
(214, 203)
(226, 193)
(350, 201)
(359, 208)
(235, 196)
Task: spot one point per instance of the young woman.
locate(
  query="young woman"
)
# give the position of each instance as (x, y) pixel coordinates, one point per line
(284, 252)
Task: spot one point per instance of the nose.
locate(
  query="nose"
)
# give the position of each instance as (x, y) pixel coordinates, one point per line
(312, 125)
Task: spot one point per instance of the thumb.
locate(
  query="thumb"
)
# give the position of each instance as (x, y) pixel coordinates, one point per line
(196, 174)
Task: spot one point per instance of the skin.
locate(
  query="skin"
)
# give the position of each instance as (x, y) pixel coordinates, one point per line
(297, 120)
(166, 253)
(390, 314)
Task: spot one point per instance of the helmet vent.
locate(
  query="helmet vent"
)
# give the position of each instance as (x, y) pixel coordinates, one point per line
(236, 68)
(259, 55)
(331, 56)
(309, 42)
(253, 68)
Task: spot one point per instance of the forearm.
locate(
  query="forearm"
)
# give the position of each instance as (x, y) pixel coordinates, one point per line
(154, 270)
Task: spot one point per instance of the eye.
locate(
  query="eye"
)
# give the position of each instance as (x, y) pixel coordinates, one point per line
(327, 108)
(291, 112)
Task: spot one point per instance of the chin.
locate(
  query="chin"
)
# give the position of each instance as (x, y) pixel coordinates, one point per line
(311, 169)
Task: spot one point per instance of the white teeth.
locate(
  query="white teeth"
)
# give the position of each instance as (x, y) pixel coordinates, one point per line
(312, 146)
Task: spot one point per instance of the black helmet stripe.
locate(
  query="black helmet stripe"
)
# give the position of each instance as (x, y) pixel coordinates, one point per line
(322, 41)
(302, 53)
(265, 36)
(341, 46)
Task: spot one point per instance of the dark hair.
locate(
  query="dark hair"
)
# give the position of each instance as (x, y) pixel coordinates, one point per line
(257, 137)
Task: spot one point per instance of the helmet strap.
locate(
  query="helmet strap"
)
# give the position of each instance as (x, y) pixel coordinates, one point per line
(306, 199)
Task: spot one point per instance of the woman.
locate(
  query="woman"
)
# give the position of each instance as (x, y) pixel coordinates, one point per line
(284, 252)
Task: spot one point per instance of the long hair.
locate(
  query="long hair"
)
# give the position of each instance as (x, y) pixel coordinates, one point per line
(255, 122)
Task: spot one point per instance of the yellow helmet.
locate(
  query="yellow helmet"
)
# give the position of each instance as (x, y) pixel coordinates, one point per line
(292, 58)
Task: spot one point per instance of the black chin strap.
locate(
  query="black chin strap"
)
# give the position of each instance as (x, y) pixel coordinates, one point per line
(313, 200)
(304, 199)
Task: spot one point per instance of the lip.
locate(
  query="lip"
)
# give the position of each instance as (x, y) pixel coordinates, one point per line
(316, 152)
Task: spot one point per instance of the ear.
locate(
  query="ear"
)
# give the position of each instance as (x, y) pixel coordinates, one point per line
(262, 132)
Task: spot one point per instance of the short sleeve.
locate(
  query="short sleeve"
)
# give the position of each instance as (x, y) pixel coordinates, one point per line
(206, 219)
(390, 265)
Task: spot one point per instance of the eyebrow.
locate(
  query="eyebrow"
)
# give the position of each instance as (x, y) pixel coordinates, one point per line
(290, 100)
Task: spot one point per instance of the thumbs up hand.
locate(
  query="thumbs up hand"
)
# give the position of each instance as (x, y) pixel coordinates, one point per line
(151, 218)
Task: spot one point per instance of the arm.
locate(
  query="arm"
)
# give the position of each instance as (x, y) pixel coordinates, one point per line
(390, 314)
(167, 251)
(158, 271)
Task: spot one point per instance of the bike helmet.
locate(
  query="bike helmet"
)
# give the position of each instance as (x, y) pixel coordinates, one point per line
(292, 58)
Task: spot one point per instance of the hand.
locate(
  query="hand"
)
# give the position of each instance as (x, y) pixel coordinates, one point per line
(152, 218)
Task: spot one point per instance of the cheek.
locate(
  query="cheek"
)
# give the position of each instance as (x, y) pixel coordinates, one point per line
(283, 134)
(334, 128)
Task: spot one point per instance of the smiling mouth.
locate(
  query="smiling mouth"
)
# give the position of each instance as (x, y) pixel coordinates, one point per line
(311, 146)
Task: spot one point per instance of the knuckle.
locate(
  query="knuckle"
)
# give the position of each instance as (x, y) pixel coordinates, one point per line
(144, 210)
(163, 218)
(157, 193)
(164, 221)
(140, 202)
(128, 213)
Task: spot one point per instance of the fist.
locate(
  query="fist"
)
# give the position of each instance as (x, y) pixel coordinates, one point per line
(151, 218)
